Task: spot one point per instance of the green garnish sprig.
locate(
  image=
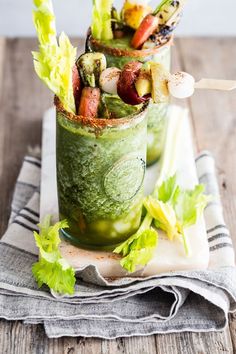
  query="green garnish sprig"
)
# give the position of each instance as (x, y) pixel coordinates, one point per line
(52, 269)
(174, 209)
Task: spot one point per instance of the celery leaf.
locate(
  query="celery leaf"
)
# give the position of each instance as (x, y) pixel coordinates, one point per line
(163, 215)
(167, 190)
(190, 204)
(138, 249)
(52, 269)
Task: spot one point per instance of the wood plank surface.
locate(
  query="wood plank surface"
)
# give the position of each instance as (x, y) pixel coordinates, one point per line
(23, 100)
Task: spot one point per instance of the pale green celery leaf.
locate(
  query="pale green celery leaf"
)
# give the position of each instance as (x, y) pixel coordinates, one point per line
(137, 257)
(52, 269)
(139, 250)
(53, 232)
(185, 209)
(190, 205)
(167, 189)
(124, 247)
(48, 239)
(164, 216)
(55, 275)
(201, 199)
(50, 257)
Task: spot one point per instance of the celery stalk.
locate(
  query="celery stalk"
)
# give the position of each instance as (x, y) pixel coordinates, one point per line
(101, 19)
(170, 158)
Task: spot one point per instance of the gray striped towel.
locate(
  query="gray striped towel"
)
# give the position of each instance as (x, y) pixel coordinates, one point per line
(173, 302)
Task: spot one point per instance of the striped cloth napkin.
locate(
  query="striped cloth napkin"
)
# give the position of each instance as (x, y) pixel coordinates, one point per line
(174, 302)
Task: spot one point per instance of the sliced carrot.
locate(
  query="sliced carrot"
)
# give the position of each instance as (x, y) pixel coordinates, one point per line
(89, 102)
(147, 27)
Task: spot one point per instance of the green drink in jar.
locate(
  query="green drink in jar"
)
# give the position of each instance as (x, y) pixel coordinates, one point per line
(100, 174)
(138, 33)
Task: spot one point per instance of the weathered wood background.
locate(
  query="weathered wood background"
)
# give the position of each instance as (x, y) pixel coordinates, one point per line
(23, 100)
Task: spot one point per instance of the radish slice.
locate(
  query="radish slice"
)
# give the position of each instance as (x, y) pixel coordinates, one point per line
(109, 79)
(181, 85)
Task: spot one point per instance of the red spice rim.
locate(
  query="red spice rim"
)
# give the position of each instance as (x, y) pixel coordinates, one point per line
(133, 53)
(99, 122)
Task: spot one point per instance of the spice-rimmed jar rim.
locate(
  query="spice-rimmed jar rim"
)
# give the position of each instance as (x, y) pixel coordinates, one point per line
(101, 123)
(132, 53)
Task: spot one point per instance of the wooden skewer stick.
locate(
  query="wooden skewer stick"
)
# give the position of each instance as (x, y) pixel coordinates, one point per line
(214, 84)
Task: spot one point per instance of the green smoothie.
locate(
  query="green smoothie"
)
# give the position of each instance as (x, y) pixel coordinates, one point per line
(100, 173)
(118, 52)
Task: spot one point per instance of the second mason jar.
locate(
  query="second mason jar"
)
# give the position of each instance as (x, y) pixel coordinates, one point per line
(118, 52)
(100, 175)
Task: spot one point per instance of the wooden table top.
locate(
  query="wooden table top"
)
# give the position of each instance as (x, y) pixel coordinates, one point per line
(23, 99)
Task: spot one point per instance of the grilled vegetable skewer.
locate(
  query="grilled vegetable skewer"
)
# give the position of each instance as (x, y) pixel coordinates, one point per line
(136, 83)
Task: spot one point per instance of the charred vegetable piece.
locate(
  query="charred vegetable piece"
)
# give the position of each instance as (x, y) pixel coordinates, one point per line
(147, 27)
(117, 22)
(77, 86)
(155, 40)
(159, 75)
(126, 84)
(143, 82)
(87, 41)
(90, 66)
(168, 13)
(133, 14)
(89, 102)
(168, 9)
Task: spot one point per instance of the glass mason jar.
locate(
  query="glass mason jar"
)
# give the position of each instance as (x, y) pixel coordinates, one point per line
(100, 175)
(118, 53)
